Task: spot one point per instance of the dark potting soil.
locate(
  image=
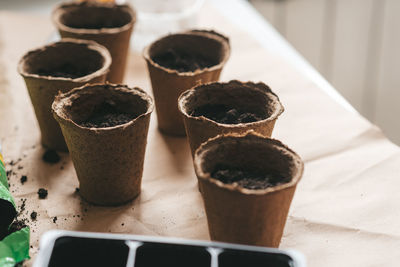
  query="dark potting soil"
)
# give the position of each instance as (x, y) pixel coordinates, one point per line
(65, 71)
(51, 156)
(23, 206)
(248, 179)
(226, 115)
(107, 115)
(99, 18)
(104, 23)
(182, 61)
(7, 215)
(42, 193)
(14, 227)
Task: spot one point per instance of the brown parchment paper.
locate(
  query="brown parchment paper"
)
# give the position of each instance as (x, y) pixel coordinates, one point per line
(346, 208)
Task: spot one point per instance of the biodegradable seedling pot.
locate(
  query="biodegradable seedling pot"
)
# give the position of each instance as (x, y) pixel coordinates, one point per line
(250, 97)
(236, 214)
(108, 24)
(108, 159)
(56, 67)
(168, 83)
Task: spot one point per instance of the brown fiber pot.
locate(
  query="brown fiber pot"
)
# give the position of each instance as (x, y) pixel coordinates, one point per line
(247, 216)
(255, 97)
(108, 24)
(168, 84)
(38, 68)
(108, 161)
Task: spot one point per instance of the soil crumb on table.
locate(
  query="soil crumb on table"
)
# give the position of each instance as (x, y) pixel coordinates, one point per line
(42, 193)
(33, 215)
(51, 156)
(23, 179)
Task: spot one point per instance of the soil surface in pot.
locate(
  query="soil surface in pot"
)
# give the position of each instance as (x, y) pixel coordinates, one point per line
(226, 115)
(107, 115)
(248, 178)
(182, 61)
(65, 71)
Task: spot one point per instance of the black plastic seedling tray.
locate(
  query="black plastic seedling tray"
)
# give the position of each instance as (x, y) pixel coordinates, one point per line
(80, 249)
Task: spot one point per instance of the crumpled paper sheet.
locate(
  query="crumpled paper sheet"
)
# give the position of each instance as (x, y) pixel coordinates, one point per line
(345, 211)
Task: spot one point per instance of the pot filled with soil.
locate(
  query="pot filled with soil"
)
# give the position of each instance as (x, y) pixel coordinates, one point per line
(108, 24)
(234, 107)
(105, 128)
(248, 182)
(57, 67)
(178, 62)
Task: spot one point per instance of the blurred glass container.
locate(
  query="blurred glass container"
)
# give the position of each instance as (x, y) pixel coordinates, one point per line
(160, 17)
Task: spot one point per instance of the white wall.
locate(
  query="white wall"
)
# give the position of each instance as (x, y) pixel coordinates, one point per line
(355, 44)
